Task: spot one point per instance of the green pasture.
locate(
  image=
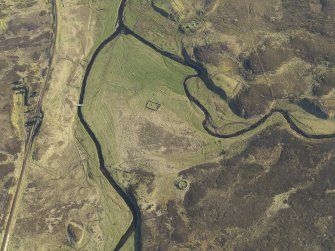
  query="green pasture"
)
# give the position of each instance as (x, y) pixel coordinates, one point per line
(145, 21)
(127, 75)
(116, 216)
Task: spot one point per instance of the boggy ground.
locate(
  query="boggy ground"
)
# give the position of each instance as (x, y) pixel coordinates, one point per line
(25, 44)
(277, 194)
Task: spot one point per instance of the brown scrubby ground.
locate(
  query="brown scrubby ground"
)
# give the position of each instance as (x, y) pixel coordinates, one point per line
(25, 43)
(277, 194)
(276, 50)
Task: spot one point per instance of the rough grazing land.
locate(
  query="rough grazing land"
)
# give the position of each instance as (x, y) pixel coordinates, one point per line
(25, 43)
(268, 189)
(262, 53)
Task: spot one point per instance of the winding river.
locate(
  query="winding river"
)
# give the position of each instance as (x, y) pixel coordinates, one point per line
(207, 122)
(126, 196)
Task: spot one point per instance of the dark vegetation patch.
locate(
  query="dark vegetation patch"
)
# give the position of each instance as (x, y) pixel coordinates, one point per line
(6, 200)
(314, 43)
(309, 223)
(37, 222)
(313, 49)
(16, 26)
(165, 229)
(13, 43)
(6, 169)
(140, 178)
(211, 54)
(180, 231)
(9, 183)
(238, 193)
(291, 84)
(253, 100)
(198, 168)
(160, 233)
(26, 32)
(20, 42)
(25, 5)
(3, 64)
(45, 37)
(31, 185)
(11, 146)
(300, 14)
(217, 208)
(266, 59)
(9, 77)
(3, 157)
(21, 68)
(193, 195)
(325, 82)
(154, 137)
(36, 55)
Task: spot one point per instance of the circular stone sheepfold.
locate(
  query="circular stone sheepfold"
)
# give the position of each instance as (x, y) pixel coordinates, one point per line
(181, 184)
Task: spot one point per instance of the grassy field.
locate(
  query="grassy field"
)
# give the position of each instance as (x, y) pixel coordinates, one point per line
(116, 217)
(126, 76)
(129, 245)
(129, 74)
(218, 108)
(308, 122)
(163, 32)
(104, 13)
(164, 5)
